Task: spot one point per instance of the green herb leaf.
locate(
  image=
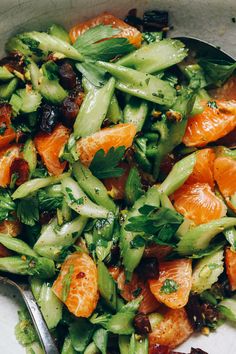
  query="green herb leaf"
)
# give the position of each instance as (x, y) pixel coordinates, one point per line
(106, 165)
(212, 104)
(50, 70)
(137, 242)
(32, 44)
(47, 202)
(28, 210)
(66, 283)
(217, 71)
(81, 332)
(93, 35)
(169, 287)
(79, 201)
(6, 204)
(92, 73)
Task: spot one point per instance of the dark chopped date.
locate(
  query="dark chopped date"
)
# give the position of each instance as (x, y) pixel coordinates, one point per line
(45, 217)
(14, 62)
(67, 76)
(20, 168)
(148, 268)
(142, 324)
(210, 313)
(69, 111)
(194, 312)
(49, 116)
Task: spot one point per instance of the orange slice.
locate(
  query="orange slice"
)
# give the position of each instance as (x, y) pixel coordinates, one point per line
(119, 135)
(174, 283)
(8, 134)
(7, 156)
(82, 296)
(49, 147)
(230, 264)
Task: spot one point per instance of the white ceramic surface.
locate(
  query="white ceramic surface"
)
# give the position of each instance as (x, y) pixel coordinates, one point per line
(207, 19)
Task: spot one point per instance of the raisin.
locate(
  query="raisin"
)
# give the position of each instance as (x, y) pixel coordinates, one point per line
(69, 111)
(67, 76)
(49, 116)
(148, 268)
(20, 168)
(142, 324)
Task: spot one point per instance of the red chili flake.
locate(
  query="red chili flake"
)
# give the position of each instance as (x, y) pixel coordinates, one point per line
(80, 275)
(20, 168)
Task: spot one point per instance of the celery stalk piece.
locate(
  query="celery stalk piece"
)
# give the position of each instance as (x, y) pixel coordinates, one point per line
(30, 155)
(68, 347)
(199, 237)
(114, 112)
(35, 348)
(52, 91)
(91, 349)
(206, 271)
(132, 256)
(5, 74)
(141, 85)
(16, 245)
(42, 267)
(201, 98)
(36, 286)
(155, 56)
(35, 184)
(178, 175)
(92, 186)
(230, 235)
(124, 341)
(7, 89)
(48, 43)
(59, 32)
(94, 109)
(53, 239)
(138, 345)
(106, 285)
(35, 74)
(227, 307)
(79, 202)
(31, 100)
(165, 201)
(135, 112)
(50, 305)
(14, 44)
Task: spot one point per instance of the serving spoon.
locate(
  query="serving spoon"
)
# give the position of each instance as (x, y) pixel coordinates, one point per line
(20, 283)
(205, 49)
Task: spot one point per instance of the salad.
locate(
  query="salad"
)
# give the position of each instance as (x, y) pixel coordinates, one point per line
(118, 192)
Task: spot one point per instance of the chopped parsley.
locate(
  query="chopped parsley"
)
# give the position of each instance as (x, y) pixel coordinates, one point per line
(169, 286)
(78, 201)
(212, 104)
(32, 44)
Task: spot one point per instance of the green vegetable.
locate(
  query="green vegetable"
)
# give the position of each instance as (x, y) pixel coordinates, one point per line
(24, 330)
(135, 112)
(114, 112)
(52, 91)
(28, 211)
(230, 235)
(42, 267)
(138, 345)
(68, 347)
(207, 271)
(35, 74)
(7, 89)
(141, 85)
(49, 43)
(94, 109)
(34, 348)
(50, 198)
(59, 32)
(194, 73)
(50, 306)
(199, 237)
(92, 186)
(228, 308)
(178, 175)
(124, 342)
(30, 100)
(106, 285)
(91, 43)
(36, 286)
(155, 56)
(132, 256)
(95, 75)
(30, 155)
(92, 349)
(14, 44)
(50, 70)
(53, 239)
(133, 186)
(169, 286)
(140, 149)
(79, 202)
(35, 184)
(16, 103)
(106, 165)
(16, 245)
(5, 74)
(81, 332)
(100, 338)
(151, 37)
(7, 206)
(217, 71)
(199, 104)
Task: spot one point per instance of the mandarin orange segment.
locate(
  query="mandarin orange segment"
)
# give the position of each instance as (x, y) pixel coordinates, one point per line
(225, 175)
(126, 31)
(211, 124)
(178, 271)
(230, 264)
(227, 91)
(136, 287)
(7, 156)
(172, 330)
(198, 203)
(49, 147)
(204, 167)
(119, 135)
(8, 134)
(82, 296)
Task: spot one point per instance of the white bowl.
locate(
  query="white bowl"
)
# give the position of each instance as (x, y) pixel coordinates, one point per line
(207, 19)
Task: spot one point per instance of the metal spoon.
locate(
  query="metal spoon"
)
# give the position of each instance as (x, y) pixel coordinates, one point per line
(205, 49)
(37, 318)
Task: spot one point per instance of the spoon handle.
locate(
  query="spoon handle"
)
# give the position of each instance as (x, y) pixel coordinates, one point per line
(39, 323)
